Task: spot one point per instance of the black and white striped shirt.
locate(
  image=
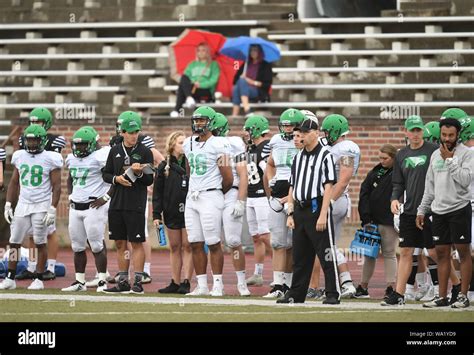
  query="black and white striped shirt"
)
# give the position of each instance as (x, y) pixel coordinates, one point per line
(310, 171)
(3, 155)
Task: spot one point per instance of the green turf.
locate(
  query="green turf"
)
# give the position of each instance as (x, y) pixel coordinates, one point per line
(85, 311)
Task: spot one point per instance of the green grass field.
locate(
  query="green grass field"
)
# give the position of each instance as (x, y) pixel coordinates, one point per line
(55, 306)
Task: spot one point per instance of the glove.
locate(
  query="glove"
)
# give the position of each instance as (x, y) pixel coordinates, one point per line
(239, 209)
(50, 216)
(8, 214)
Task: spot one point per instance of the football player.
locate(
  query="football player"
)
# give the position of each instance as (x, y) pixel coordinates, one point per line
(37, 177)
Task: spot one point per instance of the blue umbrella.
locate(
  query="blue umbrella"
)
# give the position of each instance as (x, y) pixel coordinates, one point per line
(238, 48)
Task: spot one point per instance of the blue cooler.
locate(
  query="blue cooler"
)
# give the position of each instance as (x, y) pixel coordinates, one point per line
(367, 241)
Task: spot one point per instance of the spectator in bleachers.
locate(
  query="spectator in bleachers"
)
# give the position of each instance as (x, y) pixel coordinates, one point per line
(169, 196)
(255, 84)
(198, 82)
(374, 208)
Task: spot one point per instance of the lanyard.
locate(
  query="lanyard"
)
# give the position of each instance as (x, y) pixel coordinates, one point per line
(126, 160)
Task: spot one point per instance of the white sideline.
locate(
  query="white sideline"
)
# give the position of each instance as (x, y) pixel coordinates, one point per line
(212, 301)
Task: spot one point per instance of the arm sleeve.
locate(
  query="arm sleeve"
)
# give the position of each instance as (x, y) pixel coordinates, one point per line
(462, 172)
(108, 170)
(148, 142)
(58, 144)
(398, 181)
(211, 81)
(428, 195)
(364, 199)
(56, 161)
(158, 189)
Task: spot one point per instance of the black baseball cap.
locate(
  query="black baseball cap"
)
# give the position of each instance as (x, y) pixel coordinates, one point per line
(307, 125)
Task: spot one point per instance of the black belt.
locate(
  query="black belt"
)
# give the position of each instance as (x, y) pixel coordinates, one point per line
(307, 203)
(80, 206)
(214, 189)
(235, 187)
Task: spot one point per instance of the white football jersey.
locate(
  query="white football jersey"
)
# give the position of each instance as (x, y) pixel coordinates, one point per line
(86, 173)
(472, 188)
(345, 148)
(283, 153)
(202, 158)
(34, 169)
(237, 148)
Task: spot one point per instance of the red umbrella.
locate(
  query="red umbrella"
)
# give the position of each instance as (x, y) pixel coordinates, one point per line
(183, 51)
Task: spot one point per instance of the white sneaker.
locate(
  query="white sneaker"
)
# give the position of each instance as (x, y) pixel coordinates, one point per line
(199, 291)
(217, 291)
(101, 286)
(429, 295)
(255, 280)
(348, 291)
(190, 102)
(243, 290)
(275, 292)
(174, 114)
(95, 281)
(8, 284)
(409, 295)
(75, 287)
(422, 291)
(37, 284)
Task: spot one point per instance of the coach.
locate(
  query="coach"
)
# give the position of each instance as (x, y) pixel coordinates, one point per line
(309, 214)
(127, 206)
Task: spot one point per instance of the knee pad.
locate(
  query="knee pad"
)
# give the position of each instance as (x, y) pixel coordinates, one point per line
(96, 246)
(233, 241)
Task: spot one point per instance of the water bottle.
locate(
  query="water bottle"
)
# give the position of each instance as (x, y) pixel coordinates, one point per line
(161, 235)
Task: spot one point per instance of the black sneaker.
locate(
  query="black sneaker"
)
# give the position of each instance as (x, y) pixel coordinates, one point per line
(48, 275)
(171, 288)
(437, 302)
(285, 289)
(331, 300)
(288, 300)
(461, 302)
(395, 299)
(388, 292)
(361, 292)
(184, 287)
(137, 288)
(454, 293)
(114, 279)
(122, 287)
(26, 275)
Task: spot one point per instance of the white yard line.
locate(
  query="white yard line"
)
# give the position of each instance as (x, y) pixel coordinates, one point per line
(344, 306)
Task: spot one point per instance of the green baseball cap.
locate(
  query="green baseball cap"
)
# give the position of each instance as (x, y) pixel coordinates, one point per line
(413, 122)
(130, 125)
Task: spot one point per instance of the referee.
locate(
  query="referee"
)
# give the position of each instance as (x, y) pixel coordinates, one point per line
(312, 177)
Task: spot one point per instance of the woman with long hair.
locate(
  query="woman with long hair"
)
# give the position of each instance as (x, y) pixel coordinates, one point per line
(169, 196)
(198, 82)
(254, 84)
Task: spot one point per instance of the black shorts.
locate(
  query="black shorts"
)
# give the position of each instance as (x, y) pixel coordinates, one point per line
(454, 227)
(412, 237)
(127, 225)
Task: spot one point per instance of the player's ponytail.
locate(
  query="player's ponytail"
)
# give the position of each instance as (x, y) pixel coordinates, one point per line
(169, 148)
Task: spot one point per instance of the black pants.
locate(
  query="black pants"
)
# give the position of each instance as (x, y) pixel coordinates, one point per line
(307, 243)
(185, 89)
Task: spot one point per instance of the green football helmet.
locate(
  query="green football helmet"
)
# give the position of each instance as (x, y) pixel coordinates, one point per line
(431, 132)
(467, 130)
(84, 142)
(43, 115)
(290, 117)
(203, 112)
(334, 126)
(97, 136)
(453, 112)
(219, 126)
(35, 138)
(257, 126)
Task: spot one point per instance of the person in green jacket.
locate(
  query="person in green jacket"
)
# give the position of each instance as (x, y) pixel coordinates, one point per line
(198, 83)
